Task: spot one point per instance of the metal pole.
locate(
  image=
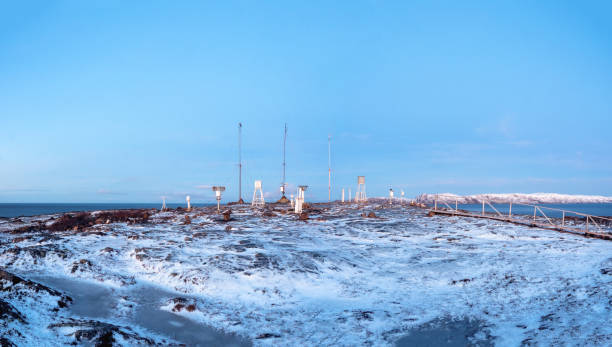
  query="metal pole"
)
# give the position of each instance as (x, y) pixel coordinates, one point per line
(284, 153)
(239, 161)
(587, 224)
(534, 213)
(456, 205)
(510, 211)
(436, 204)
(483, 207)
(329, 166)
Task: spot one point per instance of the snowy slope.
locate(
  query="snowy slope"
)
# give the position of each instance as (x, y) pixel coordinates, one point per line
(340, 279)
(534, 198)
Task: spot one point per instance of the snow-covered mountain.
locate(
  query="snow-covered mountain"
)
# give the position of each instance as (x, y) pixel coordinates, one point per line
(534, 198)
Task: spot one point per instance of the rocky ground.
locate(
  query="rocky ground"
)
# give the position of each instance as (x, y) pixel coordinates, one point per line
(340, 274)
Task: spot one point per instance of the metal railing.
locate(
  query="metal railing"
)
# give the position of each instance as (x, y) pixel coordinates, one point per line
(590, 221)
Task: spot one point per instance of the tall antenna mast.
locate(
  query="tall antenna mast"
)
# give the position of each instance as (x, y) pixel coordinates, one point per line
(240, 201)
(284, 199)
(329, 166)
(284, 162)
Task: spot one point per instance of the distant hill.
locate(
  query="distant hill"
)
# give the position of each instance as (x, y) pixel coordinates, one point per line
(534, 198)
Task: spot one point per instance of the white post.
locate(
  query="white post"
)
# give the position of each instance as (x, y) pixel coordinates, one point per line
(188, 203)
(483, 208)
(534, 213)
(456, 203)
(343, 195)
(563, 219)
(510, 210)
(436, 203)
(349, 195)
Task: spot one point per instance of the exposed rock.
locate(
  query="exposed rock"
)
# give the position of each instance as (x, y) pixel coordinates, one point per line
(187, 220)
(109, 250)
(303, 216)
(4, 342)
(21, 239)
(16, 284)
(268, 213)
(28, 229)
(37, 252)
(100, 333)
(227, 215)
(81, 265)
(74, 222)
(266, 336)
(462, 281)
(10, 313)
(264, 261)
(182, 303)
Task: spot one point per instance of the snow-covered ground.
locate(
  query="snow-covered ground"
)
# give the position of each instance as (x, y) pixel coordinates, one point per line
(336, 279)
(534, 198)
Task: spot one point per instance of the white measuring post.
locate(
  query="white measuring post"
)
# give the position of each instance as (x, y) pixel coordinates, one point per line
(188, 198)
(563, 219)
(342, 195)
(510, 210)
(390, 196)
(483, 207)
(218, 190)
(349, 195)
(534, 213)
(361, 190)
(163, 203)
(258, 199)
(300, 199)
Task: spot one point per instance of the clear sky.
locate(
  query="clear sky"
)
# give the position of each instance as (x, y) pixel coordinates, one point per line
(127, 101)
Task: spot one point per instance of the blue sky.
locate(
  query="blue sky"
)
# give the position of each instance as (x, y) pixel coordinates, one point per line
(115, 101)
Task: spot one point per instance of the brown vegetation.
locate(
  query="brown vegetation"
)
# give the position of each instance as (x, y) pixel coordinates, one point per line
(82, 220)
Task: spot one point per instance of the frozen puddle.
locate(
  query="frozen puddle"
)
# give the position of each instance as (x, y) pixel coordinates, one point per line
(447, 332)
(95, 301)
